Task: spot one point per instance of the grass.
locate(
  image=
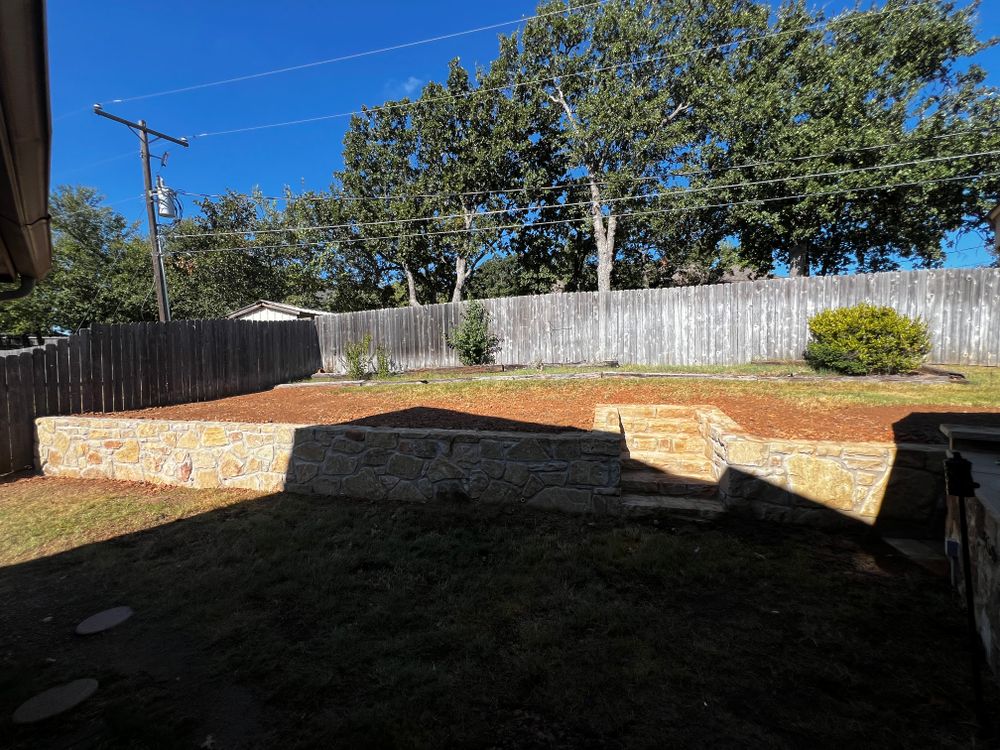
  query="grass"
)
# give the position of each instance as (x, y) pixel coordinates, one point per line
(982, 389)
(294, 622)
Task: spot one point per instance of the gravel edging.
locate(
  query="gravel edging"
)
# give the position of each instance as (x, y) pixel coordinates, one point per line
(922, 378)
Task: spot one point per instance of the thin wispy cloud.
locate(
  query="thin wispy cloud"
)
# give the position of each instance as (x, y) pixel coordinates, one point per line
(409, 87)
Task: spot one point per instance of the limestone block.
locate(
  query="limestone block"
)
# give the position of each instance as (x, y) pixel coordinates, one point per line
(145, 430)
(465, 451)
(61, 442)
(282, 457)
(230, 467)
(380, 439)
(364, 485)
(339, 463)
(128, 453)
(823, 481)
(344, 445)
(128, 473)
(527, 449)
(184, 470)
(589, 473)
(475, 484)
(596, 446)
(311, 451)
(206, 478)
(493, 469)
(516, 474)
(533, 486)
(407, 491)
(567, 450)
(376, 457)
(868, 464)
(421, 448)
(441, 469)
(747, 453)
(188, 439)
(404, 466)
(214, 436)
(502, 493)
(552, 478)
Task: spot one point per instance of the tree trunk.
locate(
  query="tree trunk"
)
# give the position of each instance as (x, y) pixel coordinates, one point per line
(411, 286)
(604, 236)
(461, 274)
(798, 261)
(462, 270)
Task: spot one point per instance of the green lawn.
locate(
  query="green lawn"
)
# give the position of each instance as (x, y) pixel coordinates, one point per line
(283, 621)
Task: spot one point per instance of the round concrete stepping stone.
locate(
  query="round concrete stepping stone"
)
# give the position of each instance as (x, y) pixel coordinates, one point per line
(105, 620)
(55, 701)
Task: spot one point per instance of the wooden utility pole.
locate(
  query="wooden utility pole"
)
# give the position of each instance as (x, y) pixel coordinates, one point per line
(159, 277)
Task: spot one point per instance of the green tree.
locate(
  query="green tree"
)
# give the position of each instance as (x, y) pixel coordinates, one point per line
(466, 157)
(380, 197)
(101, 270)
(837, 88)
(620, 92)
(242, 248)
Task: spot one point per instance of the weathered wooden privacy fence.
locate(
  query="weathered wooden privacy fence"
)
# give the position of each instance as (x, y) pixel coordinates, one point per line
(114, 368)
(723, 324)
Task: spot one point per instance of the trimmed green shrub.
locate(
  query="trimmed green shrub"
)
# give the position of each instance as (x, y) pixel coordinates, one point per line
(357, 358)
(472, 338)
(867, 340)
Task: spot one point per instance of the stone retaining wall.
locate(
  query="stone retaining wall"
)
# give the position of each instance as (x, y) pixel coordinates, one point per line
(576, 472)
(983, 515)
(809, 481)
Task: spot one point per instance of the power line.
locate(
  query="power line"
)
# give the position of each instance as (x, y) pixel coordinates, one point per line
(645, 196)
(562, 186)
(352, 56)
(103, 205)
(81, 168)
(679, 209)
(587, 71)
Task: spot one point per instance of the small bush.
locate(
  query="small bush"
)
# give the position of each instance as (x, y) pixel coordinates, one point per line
(472, 338)
(867, 340)
(357, 358)
(383, 362)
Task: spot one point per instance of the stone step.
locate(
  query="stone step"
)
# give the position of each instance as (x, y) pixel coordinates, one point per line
(680, 464)
(657, 483)
(665, 426)
(662, 443)
(654, 505)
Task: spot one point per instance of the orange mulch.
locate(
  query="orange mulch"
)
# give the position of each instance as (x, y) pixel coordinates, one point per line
(569, 405)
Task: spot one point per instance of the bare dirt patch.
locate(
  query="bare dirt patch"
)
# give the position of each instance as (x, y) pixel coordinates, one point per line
(793, 411)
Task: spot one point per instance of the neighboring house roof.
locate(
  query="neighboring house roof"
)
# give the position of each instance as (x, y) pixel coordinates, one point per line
(25, 143)
(263, 304)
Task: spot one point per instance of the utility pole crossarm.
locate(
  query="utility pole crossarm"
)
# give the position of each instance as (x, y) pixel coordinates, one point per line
(141, 125)
(159, 276)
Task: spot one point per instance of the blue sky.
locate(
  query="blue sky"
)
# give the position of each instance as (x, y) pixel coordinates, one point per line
(127, 49)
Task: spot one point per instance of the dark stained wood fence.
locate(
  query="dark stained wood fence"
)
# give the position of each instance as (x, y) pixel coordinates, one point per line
(111, 368)
(723, 324)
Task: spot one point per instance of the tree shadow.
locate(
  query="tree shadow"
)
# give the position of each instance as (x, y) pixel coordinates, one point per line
(426, 417)
(304, 621)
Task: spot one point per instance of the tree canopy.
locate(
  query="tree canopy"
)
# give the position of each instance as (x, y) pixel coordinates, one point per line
(633, 143)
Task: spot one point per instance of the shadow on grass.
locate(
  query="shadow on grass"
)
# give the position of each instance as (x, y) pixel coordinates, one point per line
(290, 621)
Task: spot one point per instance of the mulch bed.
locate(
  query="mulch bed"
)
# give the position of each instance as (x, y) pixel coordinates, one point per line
(569, 405)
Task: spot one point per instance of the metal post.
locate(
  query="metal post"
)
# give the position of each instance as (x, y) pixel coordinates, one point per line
(159, 280)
